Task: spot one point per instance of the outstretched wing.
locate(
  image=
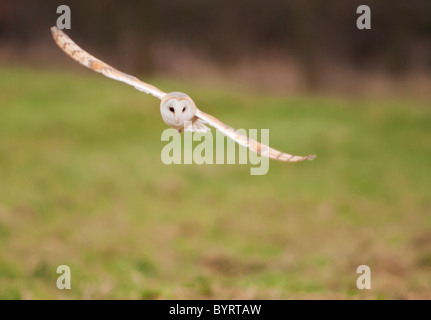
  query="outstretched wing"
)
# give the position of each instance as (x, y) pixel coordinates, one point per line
(86, 59)
(253, 145)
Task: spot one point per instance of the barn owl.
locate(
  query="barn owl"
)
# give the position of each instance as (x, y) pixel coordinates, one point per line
(176, 108)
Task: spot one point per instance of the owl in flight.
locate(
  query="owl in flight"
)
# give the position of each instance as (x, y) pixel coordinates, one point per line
(177, 108)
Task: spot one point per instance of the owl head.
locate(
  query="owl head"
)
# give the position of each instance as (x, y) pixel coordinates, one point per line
(176, 108)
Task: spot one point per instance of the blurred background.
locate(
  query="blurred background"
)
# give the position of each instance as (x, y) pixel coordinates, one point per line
(82, 183)
(285, 45)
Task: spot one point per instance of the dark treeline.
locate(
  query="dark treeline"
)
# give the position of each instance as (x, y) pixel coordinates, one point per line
(226, 31)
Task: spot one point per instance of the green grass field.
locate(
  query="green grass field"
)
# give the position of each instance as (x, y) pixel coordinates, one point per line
(82, 184)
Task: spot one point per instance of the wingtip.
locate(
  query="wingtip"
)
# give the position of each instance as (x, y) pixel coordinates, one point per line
(54, 31)
(311, 157)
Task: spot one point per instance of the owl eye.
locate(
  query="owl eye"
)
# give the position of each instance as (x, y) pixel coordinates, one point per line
(184, 109)
(171, 110)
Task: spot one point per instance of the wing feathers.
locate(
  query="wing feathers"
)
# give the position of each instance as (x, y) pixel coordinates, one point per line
(87, 60)
(253, 145)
